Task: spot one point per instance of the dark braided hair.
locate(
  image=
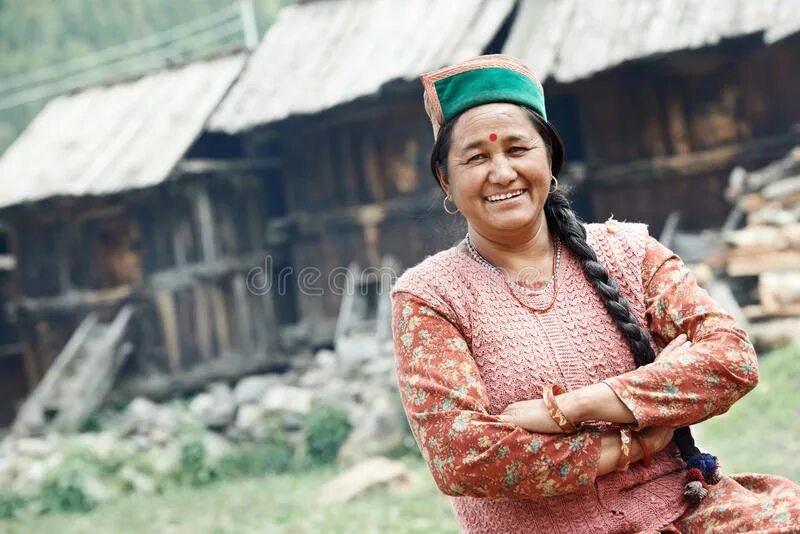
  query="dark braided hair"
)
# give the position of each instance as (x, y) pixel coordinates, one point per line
(562, 220)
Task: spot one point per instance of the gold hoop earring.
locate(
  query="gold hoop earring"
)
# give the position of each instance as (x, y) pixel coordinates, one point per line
(553, 188)
(444, 204)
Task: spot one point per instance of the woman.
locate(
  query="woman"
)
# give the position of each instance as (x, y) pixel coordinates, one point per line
(525, 354)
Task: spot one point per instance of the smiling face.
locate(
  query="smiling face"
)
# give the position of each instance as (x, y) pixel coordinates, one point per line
(498, 170)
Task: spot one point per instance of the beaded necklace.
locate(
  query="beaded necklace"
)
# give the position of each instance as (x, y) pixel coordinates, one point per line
(551, 282)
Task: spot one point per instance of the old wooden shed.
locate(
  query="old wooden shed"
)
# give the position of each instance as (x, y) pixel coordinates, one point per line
(103, 208)
(657, 102)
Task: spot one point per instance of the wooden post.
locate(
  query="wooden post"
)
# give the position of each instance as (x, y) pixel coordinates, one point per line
(29, 361)
(202, 322)
(166, 311)
(243, 318)
(205, 221)
(221, 321)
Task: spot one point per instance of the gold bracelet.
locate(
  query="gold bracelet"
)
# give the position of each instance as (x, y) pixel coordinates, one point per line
(549, 396)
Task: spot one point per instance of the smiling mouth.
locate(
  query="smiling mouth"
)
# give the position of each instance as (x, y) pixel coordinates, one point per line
(505, 196)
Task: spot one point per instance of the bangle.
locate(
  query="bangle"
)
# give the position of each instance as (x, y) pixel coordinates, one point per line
(549, 396)
(647, 459)
(625, 449)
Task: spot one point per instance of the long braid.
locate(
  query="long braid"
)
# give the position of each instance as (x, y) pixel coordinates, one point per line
(563, 221)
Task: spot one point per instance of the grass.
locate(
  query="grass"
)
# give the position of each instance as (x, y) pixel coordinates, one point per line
(760, 433)
(275, 504)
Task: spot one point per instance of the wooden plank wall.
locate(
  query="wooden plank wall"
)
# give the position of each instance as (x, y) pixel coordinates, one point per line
(665, 134)
(373, 159)
(187, 278)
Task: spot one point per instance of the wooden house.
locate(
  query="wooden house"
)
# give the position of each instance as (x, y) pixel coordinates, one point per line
(223, 205)
(657, 102)
(102, 209)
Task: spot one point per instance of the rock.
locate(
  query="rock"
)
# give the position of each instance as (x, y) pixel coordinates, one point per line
(96, 490)
(139, 481)
(316, 377)
(224, 405)
(369, 475)
(164, 460)
(379, 431)
(201, 405)
(252, 388)
(215, 447)
(250, 422)
(30, 474)
(215, 408)
(326, 359)
(287, 399)
(100, 444)
(34, 447)
(143, 415)
(292, 422)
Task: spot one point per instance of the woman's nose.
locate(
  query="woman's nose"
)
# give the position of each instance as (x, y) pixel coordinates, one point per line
(502, 171)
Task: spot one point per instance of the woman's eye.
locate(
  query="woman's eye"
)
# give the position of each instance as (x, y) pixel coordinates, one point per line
(517, 149)
(476, 157)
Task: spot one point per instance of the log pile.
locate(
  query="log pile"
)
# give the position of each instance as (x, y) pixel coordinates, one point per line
(762, 258)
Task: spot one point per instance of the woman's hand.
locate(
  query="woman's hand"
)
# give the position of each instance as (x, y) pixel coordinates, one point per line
(597, 402)
(679, 343)
(657, 437)
(532, 415)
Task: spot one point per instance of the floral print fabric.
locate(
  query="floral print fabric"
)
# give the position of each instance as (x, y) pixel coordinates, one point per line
(471, 453)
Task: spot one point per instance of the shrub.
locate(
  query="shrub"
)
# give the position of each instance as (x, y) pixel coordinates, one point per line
(76, 485)
(11, 504)
(326, 429)
(193, 469)
(256, 460)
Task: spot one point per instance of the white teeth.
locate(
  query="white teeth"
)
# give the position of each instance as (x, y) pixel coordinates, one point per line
(495, 198)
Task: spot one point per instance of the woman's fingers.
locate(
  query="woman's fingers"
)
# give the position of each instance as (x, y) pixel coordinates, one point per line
(680, 342)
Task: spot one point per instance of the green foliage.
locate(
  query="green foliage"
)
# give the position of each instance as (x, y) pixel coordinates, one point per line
(326, 429)
(11, 504)
(94, 423)
(256, 460)
(194, 469)
(65, 494)
(66, 489)
(36, 34)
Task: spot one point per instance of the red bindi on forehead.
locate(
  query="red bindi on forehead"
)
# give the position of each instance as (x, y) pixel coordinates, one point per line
(492, 137)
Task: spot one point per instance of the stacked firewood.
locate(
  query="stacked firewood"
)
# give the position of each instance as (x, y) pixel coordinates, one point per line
(762, 258)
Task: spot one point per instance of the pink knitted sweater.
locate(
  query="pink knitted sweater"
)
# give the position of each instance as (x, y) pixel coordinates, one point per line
(574, 344)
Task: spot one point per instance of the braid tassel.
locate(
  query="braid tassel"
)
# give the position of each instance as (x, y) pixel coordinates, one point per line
(703, 470)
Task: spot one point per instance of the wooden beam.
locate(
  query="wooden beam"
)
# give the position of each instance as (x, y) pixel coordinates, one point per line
(75, 299)
(195, 273)
(692, 163)
(775, 260)
(306, 225)
(222, 166)
(757, 311)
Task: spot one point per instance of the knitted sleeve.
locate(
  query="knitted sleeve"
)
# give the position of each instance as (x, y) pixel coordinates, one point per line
(693, 385)
(469, 451)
